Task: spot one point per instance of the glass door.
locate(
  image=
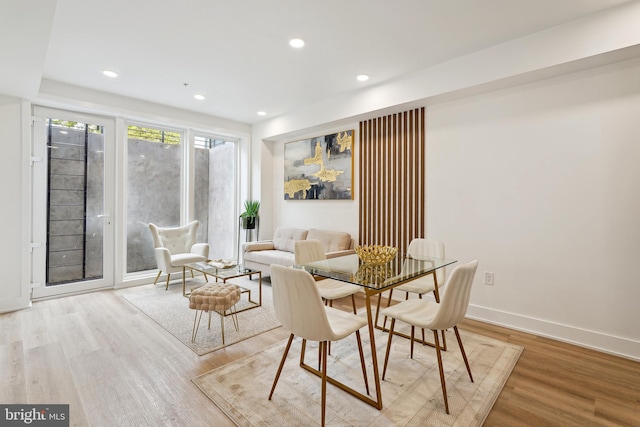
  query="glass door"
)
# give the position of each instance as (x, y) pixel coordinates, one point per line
(72, 202)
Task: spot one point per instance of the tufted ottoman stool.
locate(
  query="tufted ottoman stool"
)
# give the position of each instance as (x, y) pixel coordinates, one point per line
(218, 297)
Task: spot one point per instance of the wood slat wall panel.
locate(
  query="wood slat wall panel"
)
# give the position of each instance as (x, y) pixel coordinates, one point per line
(392, 179)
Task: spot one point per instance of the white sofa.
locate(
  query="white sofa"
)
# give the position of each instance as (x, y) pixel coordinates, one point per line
(261, 254)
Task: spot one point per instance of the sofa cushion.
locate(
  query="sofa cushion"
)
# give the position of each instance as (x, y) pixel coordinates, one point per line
(284, 238)
(331, 240)
(268, 257)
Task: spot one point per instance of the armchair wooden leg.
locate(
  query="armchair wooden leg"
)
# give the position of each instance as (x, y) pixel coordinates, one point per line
(157, 277)
(167, 285)
(284, 357)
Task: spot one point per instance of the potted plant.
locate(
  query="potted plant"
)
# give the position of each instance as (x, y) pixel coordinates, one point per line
(250, 214)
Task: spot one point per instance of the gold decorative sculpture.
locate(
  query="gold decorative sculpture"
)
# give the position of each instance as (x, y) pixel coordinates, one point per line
(376, 254)
(374, 274)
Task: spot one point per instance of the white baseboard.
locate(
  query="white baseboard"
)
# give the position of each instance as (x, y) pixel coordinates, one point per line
(14, 304)
(617, 346)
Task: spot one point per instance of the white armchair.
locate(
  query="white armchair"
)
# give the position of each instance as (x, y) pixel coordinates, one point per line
(175, 247)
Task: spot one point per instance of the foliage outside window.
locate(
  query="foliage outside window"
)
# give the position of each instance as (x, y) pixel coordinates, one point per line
(153, 135)
(77, 126)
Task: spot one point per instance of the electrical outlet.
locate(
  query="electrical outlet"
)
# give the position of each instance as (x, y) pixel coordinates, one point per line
(488, 278)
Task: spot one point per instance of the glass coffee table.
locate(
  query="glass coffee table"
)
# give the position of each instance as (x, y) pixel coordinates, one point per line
(224, 272)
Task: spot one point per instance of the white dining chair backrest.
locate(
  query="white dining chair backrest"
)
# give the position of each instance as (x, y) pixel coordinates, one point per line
(454, 302)
(311, 252)
(420, 248)
(297, 304)
(306, 251)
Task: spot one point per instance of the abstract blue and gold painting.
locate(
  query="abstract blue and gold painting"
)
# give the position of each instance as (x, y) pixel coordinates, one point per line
(319, 168)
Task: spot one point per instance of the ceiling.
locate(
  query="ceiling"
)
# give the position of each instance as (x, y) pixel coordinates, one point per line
(236, 53)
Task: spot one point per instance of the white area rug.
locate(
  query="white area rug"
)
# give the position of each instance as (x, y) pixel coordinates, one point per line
(170, 310)
(411, 392)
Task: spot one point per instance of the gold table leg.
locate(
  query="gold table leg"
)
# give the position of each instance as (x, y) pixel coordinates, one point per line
(374, 355)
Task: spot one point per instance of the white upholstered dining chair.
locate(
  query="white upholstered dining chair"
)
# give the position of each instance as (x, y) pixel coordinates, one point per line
(307, 251)
(437, 316)
(421, 249)
(176, 246)
(298, 306)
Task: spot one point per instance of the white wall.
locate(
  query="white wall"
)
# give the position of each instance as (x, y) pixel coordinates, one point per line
(530, 173)
(12, 286)
(540, 184)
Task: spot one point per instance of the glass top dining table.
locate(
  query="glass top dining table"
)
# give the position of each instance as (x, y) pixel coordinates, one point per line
(350, 269)
(375, 279)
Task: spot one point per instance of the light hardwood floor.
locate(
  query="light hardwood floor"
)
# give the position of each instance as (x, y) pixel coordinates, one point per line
(116, 367)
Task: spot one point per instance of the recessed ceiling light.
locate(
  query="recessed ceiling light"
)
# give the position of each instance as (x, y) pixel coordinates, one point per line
(297, 43)
(262, 113)
(362, 77)
(110, 73)
(199, 97)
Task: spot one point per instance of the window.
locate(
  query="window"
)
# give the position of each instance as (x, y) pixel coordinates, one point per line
(154, 165)
(215, 193)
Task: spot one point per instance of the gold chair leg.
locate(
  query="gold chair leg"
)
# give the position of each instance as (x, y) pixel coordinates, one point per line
(464, 355)
(384, 323)
(424, 342)
(167, 285)
(386, 356)
(377, 310)
(329, 347)
(157, 277)
(323, 345)
(284, 357)
(234, 317)
(222, 327)
(195, 328)
(303, 351)
(413, 331)
(442, 380)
